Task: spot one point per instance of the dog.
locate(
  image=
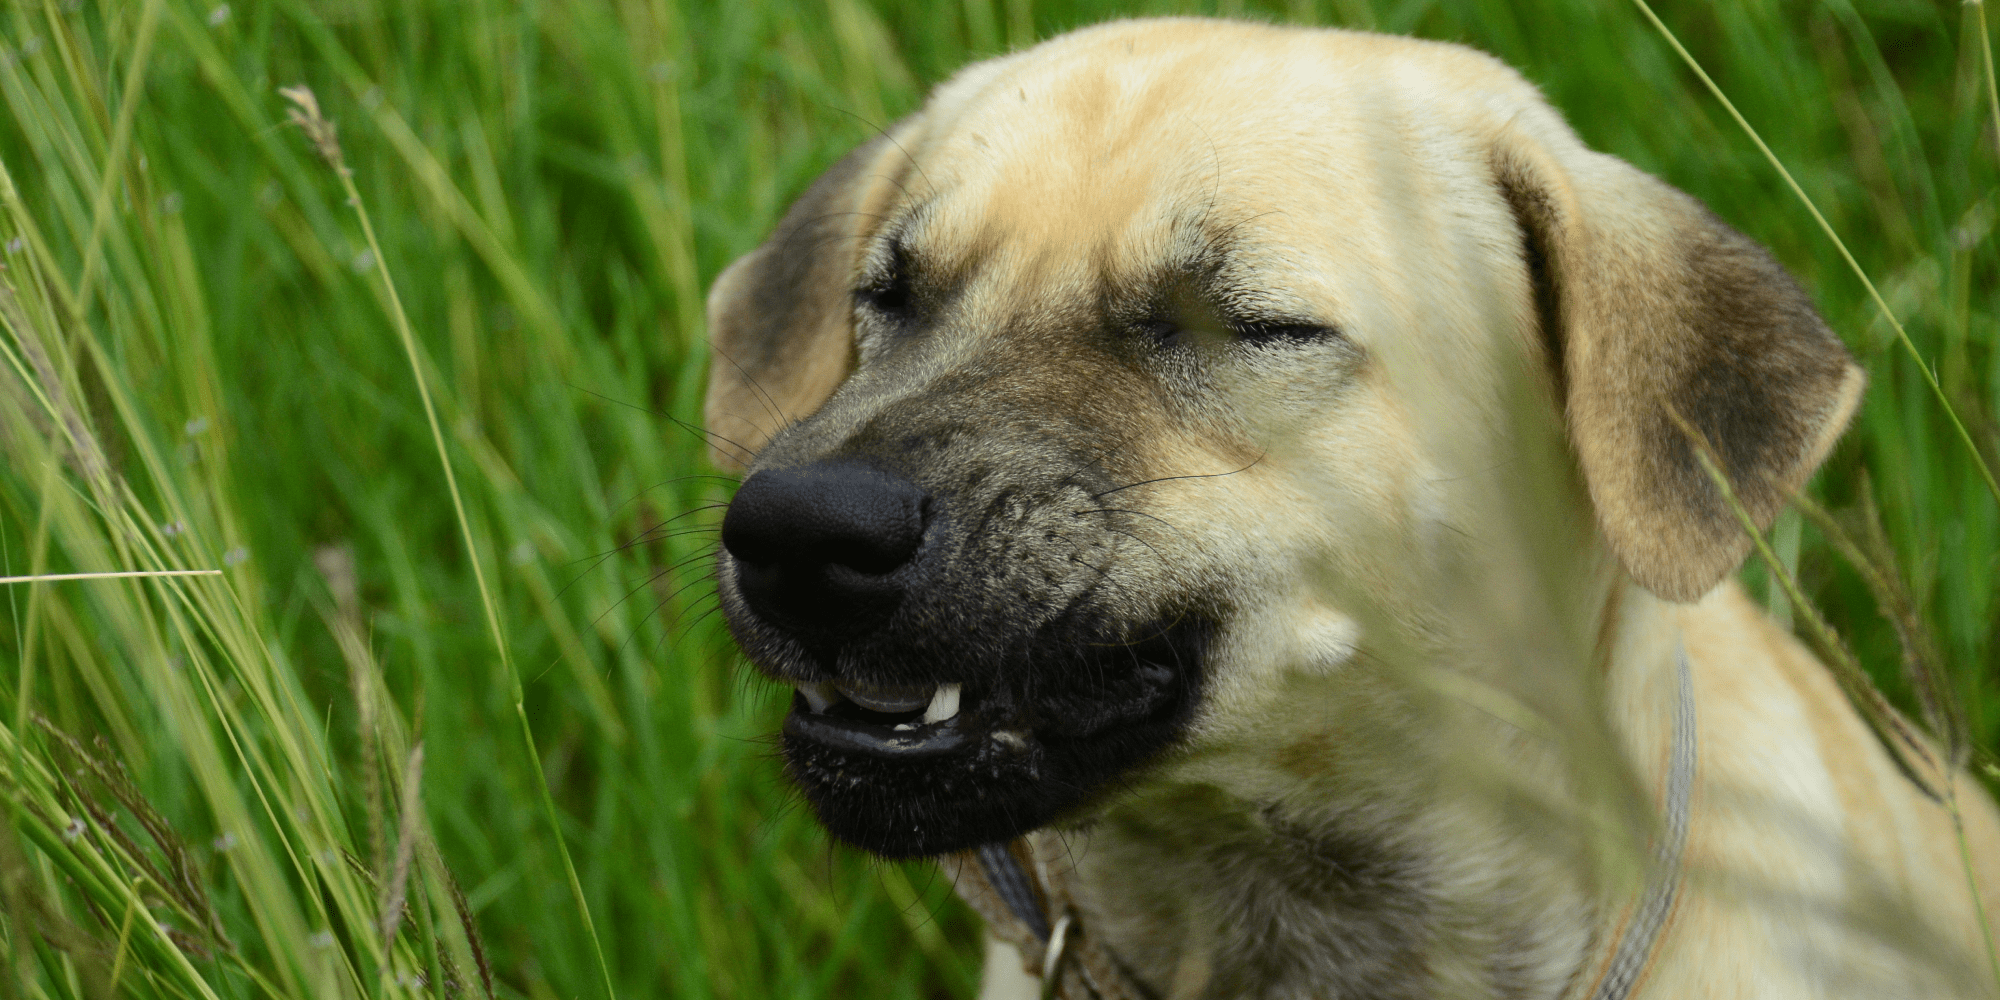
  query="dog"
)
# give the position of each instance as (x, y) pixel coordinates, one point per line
(1270, 463)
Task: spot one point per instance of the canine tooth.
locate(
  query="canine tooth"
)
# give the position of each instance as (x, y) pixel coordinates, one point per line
(820, 696)
(944, 704)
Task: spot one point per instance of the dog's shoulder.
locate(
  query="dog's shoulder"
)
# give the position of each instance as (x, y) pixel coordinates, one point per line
(1807, 835)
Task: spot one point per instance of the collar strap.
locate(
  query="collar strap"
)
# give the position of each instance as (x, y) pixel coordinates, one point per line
(1642, 934)
(1010, 883)
(1017, 905)
(1017, 887)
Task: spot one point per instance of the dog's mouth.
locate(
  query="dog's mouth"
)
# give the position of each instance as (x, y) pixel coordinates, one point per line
(873, 719)
(910, 770)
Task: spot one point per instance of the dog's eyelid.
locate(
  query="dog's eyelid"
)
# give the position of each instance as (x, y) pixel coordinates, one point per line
(886, 286)
(1164, 331)
(1265, 331)
(1175, 330)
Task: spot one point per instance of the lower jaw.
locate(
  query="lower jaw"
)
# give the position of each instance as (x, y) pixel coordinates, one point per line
(927, 742)
(973, 780)
(986, 791)
(925, 807)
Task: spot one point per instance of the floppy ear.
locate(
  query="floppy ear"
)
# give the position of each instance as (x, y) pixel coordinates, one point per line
(780, 319)
(1650, 306)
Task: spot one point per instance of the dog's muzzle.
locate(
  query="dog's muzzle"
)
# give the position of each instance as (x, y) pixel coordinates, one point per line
(936, 707)
(818, 553)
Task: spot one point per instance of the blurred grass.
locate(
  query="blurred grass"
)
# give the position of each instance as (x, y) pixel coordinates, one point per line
(199, 370)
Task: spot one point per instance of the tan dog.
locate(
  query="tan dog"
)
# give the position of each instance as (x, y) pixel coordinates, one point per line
(1252, 453)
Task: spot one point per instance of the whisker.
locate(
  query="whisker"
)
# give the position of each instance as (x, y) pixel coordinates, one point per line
(731, 480)
(691, 626)
(633, 636)
(678, 591)
(615, 605)
(649, 534)
(764, 398)
(646, 537)
(884, 133)
(1168, 479)
(686, 561)
(701, 432)
(1136, 538)
(1123, 510)
(1098, 461)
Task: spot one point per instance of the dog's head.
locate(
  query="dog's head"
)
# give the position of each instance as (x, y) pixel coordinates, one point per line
(1139, 369)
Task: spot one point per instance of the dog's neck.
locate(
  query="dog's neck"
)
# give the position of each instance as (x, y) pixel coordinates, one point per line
(1382, 839)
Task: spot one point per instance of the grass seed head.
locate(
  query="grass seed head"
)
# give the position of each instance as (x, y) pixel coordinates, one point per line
(324, 134)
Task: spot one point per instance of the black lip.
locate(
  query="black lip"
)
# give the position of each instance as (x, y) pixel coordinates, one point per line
(1082, 714)
(916, 740)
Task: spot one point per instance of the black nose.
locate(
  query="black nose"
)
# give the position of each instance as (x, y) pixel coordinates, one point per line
(815, 546)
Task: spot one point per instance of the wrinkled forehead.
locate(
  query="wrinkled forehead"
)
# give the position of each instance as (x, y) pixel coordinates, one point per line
(1119, 154)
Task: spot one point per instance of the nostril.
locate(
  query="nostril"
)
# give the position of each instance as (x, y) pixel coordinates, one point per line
(826, 516)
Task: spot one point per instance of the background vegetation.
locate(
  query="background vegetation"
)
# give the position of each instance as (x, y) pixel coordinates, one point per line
(215, 783)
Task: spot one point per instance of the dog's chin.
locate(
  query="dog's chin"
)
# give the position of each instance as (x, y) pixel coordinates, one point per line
(926, 782)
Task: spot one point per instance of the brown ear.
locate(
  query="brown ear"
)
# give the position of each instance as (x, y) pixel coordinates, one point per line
(1651, 306)
(780, 319)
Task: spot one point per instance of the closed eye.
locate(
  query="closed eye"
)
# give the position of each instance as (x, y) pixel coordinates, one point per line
(1274, 332)
(887, 289)
(1280, 331)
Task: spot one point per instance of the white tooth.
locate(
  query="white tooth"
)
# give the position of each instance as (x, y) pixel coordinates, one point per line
(820, 696)
(1010, 739)
(944, 704)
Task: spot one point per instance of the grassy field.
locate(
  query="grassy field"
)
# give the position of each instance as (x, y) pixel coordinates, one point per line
(308, 775)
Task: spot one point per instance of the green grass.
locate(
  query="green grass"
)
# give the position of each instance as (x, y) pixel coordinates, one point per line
(200, 367)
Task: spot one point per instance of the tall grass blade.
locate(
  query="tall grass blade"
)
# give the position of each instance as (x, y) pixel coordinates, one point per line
(137, 574)
(1905, 747)
(121, 137)
(1921, 662)
(320, 130)
(1992, 88)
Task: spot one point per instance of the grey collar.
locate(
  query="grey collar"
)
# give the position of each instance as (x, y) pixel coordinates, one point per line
(1635, 948)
